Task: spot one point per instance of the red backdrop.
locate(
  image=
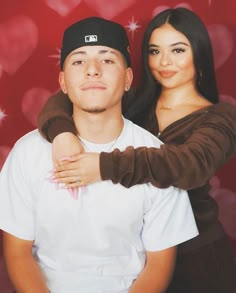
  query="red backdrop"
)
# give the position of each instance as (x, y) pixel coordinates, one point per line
(30, 37)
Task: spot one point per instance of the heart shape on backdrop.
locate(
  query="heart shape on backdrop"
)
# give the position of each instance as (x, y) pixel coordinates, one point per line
(161, 8)
(62, 7)
(226, 200)
(227, 99)
(32, 102)
(222, 43)
(109, 9)
(18, 39)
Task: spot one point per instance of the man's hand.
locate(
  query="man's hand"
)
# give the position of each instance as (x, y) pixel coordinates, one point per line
(157, 272)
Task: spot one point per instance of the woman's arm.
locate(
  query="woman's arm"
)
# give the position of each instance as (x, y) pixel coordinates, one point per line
(55, 123)
(187, 165)
(56, 117)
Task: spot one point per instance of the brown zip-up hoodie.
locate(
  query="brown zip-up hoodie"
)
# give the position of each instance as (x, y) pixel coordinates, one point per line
(195, 147)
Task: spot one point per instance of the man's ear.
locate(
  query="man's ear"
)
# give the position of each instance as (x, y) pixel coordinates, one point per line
(61, 80)
(129, 78)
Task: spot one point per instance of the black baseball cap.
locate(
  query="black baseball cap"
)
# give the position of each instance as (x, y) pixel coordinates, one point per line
(95, 31)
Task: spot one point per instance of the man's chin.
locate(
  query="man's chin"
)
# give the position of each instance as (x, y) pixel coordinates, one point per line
(94, 110)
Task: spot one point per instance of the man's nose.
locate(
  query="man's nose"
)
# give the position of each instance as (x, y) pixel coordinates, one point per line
(93, 69)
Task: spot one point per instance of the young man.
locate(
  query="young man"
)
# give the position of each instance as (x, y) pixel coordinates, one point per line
(112, 239)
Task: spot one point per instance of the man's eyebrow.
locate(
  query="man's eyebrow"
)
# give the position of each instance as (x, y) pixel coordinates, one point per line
(77, 52)
(107, 51)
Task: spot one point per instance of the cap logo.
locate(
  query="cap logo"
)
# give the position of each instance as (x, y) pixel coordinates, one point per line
(90, 38)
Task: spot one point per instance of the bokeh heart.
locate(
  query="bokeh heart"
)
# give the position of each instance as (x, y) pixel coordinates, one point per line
(222, 43)
(226, 200)
(109, 9)
(161, 8)
(18, 39)
(62, 7)
(32, 102)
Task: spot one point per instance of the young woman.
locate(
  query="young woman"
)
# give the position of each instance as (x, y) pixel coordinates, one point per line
(177, 101)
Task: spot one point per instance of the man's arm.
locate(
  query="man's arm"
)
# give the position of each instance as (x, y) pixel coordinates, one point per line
(23, 270)
(157, 272)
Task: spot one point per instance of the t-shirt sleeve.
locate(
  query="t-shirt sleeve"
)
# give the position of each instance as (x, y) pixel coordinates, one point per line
(16, 209)
(169, 221)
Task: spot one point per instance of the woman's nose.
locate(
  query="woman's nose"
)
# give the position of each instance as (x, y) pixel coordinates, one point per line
(165, 59)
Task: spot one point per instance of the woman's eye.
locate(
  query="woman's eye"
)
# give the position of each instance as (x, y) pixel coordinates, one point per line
(153, 52)
(179, 50)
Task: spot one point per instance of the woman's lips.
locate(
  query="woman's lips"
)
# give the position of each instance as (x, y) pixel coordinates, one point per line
(167, 73)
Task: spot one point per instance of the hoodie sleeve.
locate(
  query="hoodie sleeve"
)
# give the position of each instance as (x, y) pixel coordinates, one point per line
(188, 164)
(56, 117)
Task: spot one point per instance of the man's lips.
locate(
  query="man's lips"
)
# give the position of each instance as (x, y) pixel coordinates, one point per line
(93, 86)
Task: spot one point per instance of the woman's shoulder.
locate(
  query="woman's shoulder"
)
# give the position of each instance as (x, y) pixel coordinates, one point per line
(223, 108)
(220, 116)
(224, 113)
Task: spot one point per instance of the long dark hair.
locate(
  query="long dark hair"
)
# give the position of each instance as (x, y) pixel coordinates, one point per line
(189, 24)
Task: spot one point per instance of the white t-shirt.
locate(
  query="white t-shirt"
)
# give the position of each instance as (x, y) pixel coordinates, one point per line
(96, 243)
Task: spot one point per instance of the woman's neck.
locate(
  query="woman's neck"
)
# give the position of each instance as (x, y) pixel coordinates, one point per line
(171, 98)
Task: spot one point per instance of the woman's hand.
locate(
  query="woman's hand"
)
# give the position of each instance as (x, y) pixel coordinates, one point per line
(72, 166)
(78, 170)
(65, 146)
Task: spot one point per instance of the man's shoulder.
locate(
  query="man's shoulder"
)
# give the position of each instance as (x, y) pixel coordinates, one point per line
(141, 135)
(30, 137)
(30, 142)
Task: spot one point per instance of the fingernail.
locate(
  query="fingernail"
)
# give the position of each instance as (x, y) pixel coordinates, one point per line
(74, 192)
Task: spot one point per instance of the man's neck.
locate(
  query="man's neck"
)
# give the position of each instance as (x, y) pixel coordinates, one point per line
(98, 128)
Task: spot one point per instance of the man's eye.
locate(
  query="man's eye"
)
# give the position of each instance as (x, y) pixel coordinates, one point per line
(77, 62)
(108, 61)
